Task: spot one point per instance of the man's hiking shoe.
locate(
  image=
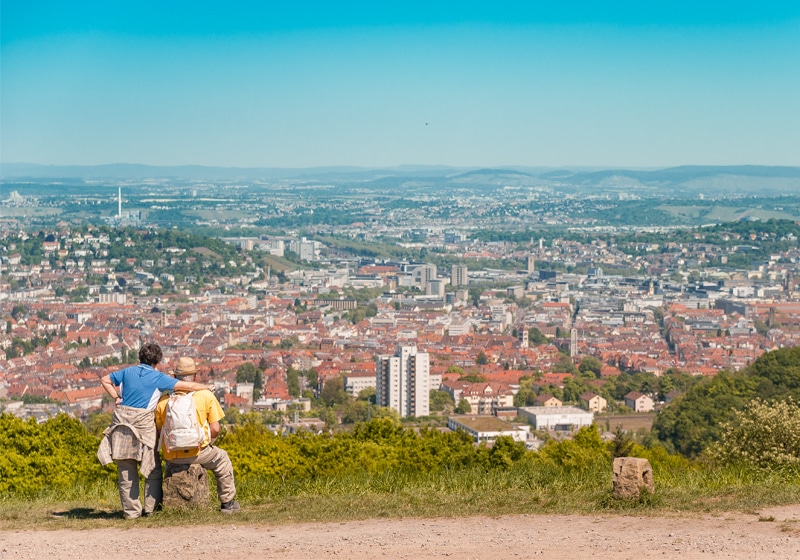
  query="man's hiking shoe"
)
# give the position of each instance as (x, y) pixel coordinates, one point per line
(230, 507)
(158, 508)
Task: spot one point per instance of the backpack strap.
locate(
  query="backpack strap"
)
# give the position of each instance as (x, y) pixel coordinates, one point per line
(164, 425)
(160, 437)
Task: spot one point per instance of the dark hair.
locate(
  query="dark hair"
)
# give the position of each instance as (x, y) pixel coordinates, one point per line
(150, 354)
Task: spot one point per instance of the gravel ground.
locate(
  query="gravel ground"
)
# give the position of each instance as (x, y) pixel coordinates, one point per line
(772, 533)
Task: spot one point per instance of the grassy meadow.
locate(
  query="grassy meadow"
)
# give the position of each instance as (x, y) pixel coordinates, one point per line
(378, 471)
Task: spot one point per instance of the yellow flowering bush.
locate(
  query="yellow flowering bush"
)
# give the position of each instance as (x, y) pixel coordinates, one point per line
(765, 435)
(55, 454)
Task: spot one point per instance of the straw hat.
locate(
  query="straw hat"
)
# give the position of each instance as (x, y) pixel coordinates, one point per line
(186, 366)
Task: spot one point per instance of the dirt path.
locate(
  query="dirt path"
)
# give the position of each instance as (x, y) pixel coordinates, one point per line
(773, 533)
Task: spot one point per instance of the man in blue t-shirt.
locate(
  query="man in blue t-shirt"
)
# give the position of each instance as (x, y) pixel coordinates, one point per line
(130, 441)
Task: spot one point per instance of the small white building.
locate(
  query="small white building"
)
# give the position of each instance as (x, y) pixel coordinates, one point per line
(556, 417)
(354, 383)
(487, 428)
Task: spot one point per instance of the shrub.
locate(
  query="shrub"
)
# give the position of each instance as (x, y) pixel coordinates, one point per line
(764, 435)
(378, 446)
(585, 450)
(56, 454)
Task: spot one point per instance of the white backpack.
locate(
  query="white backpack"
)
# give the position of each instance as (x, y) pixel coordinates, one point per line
(181, 431)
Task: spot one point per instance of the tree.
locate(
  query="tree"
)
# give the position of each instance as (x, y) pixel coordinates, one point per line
(96, 422)
(463, 407)
(590, 364)
(288, 342)
(693, 421)
(482, 359)
(132, 355)
(473, 378)
(293, 382)
(311, 378)
(535, 336)
(781, 367)
(526, 395)
(441, 401)
(330, 418)
(258, 384)
(658, 316)
(573, 388)
(367, 394)
(232, 415)
(565, 365)
(475, 295)
(355, 411)
(623, 443)
(333, 392)
(246, 373)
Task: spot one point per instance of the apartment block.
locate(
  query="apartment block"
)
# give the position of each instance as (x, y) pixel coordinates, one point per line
(403, 381)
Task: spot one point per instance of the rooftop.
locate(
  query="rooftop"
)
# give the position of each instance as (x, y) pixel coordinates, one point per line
(483, 423)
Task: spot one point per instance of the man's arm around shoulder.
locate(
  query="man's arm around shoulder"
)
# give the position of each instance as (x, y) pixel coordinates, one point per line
(191, 386)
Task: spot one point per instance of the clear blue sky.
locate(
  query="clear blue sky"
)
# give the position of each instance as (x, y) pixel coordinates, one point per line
(297, 84)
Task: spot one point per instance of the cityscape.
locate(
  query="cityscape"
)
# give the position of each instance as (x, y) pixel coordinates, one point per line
(319, 280)
(507, 298)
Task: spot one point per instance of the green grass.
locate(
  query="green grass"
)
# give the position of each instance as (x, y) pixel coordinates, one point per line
(29, 212)
(524, 489)
(726, 213)
(278, 264)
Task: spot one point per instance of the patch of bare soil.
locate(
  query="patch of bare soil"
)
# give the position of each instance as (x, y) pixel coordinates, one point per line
(772, 533)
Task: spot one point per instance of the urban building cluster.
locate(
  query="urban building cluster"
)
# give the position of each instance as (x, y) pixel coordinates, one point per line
(78, 310)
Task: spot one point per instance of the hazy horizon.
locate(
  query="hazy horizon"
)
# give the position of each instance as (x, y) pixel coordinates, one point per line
(355, 84)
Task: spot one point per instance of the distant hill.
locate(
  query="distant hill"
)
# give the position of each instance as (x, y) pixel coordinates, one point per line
(500, 177)
(751, 179)
(127, 171)
(677, 181)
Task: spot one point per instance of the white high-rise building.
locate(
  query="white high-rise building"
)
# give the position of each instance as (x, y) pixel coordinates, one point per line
(435, 288)
(573, 343)
(459, 275)
(403, 381)
(307, 250)
(423, 274)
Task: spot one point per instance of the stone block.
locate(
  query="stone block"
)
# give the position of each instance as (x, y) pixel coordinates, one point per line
(185, 486)
(631, 474)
